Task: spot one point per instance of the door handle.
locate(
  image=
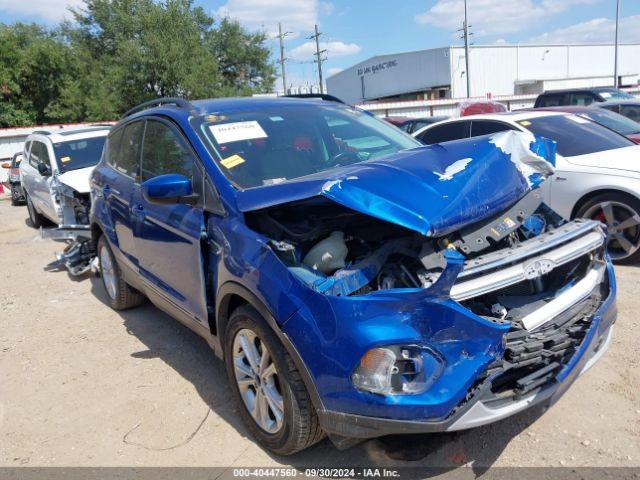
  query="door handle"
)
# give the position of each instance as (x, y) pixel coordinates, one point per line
(138, 210)
(107, 190)
(561, 179)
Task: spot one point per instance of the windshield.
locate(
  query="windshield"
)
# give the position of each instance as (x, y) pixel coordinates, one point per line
(575, 135)
(279, 143)
(614, 94)
(614, 121)
(76, 154)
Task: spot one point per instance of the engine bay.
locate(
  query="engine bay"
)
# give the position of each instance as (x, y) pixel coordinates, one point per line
(338, 251)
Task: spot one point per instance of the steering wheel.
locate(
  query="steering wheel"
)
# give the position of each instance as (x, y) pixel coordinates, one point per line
(338, 159)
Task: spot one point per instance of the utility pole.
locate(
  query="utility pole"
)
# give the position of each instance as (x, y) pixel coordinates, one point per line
(282, 59)
(615, 61)
(466, 49)
(319, 58)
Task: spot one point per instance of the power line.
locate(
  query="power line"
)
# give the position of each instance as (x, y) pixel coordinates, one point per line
(319, 58)
(282, 58)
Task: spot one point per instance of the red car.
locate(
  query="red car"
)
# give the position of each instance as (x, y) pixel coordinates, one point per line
(613, 121)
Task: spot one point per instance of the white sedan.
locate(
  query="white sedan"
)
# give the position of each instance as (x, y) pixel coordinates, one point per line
(597, 170)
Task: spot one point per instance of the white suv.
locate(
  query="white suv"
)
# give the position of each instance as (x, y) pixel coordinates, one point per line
(55, 172)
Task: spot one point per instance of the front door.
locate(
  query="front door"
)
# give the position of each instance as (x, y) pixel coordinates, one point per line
(40, 185)
(168, 237)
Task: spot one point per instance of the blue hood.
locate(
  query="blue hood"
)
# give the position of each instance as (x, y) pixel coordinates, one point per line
(432, 190)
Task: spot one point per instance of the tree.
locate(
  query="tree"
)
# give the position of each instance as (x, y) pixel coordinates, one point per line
(119, 53)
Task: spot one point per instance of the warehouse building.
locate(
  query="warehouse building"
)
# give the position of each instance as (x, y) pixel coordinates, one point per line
(439, 73)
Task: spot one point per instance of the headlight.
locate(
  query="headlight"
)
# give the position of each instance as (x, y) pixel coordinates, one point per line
(397, 370)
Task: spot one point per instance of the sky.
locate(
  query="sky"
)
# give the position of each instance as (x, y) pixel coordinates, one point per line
(353, 31)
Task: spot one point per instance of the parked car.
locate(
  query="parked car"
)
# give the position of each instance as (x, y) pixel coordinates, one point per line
(597, 170)
(580, 96)
(55, 173)
(607, 118)
(355, 283)
(475, 107)
(626, 108)
(411, 125)
(17, 193)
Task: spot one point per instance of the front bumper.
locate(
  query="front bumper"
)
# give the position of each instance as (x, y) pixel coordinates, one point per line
(483, 408)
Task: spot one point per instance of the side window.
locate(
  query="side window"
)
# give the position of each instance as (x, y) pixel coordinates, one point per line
(165, 151)
(128, 160)
(25, 151)
(550, 100)
(581, 98)
(445, 133)
(613, 108)
(39, 154)
(632, 112)
(113, 146)
(487, 127)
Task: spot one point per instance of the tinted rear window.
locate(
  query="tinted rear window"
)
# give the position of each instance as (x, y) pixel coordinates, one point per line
(446, 133)
(575, 135)
(552, 100)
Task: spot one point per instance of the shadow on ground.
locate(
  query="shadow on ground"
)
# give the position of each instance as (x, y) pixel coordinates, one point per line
(190, 356)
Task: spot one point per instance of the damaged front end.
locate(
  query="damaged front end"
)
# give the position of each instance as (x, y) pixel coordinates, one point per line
(72, 208)
(441, 289)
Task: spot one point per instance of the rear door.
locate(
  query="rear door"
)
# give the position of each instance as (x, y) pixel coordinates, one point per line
(168, 237)
(119, 183)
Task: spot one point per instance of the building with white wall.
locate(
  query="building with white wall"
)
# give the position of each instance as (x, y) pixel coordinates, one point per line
(496, 70)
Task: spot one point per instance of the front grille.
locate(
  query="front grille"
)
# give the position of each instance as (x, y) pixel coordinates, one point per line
(532, 360)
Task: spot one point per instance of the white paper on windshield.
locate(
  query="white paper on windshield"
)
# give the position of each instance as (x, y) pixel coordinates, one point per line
(236, 132)
(605, 94)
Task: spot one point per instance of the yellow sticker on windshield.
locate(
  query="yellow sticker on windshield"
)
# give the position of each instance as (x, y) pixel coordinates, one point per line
(232, 161)
(525, 123)
(65, 159)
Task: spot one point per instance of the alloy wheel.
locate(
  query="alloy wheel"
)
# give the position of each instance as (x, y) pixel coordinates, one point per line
(623, 224)
(258, 382)
(108, 273)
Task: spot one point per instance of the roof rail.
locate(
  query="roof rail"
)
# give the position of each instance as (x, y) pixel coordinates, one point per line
(322, 96)
(156, 102)
(41, 132)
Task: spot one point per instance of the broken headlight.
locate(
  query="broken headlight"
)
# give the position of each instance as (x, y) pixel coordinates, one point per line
(397, 370)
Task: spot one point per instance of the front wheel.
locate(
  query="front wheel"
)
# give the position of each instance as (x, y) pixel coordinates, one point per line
(621, 214)
(34, 217)
(275, 403)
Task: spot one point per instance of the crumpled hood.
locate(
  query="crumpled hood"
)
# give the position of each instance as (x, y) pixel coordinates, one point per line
(77, 179)
(432, 190)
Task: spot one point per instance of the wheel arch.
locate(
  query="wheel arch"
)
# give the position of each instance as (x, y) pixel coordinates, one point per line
(232, 295)
(594, 193)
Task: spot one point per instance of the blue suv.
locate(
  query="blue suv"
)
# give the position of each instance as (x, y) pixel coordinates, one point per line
(354, 282)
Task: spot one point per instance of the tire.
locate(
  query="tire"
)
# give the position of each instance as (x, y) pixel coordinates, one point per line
(621, 213)
(36, 218)
(15, 196)
(121, 296)
(299, 427)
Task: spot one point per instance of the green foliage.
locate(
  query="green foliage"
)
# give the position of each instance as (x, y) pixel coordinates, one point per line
(119, 53)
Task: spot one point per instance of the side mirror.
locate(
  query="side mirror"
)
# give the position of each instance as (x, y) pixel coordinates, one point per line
(44, 170)
(169, 189)
(6, 165)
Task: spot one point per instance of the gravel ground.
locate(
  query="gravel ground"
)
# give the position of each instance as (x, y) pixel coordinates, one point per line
(83, 385)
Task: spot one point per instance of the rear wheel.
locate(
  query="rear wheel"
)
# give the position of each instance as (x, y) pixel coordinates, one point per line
(275, 403)
(34, 217)
(621, 214)
(121, 296)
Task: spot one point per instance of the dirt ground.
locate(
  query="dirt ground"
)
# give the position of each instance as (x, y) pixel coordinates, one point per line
(83, 385)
